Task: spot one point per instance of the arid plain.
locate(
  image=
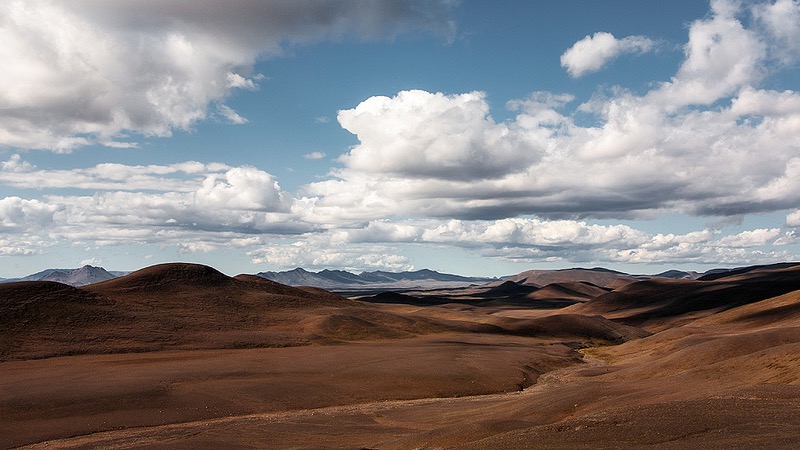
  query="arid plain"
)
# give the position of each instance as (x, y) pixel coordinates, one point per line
(183, 356)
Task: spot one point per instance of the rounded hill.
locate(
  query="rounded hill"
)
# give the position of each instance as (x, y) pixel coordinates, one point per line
(168, 275)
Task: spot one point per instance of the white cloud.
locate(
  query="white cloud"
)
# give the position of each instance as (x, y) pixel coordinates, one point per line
(244, 188)
(543, 163)
(314, 155)
(230, 115)
(20, 247)
(751, 238)
(194, 207)
(80, 72)
(722, 56)
(503, 232)
(18, 213)
(781, 19)
(317, 252)
(417, 133)
(237, 81)
(793, 219)
(181, 177)
(521, 240)
(16, 164)
(591, 53)
(196, 247)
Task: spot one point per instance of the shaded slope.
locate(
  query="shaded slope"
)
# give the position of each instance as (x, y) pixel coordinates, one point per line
(45, 303)
(780, 311)
(567, 293)
(596, 329)
(396, 298)
(41, 318)
(508, 289)
(660, 299)
(719, 273)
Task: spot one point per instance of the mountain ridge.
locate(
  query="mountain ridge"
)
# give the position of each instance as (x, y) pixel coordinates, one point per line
(343, 280)
(81, 276)
(340, 279)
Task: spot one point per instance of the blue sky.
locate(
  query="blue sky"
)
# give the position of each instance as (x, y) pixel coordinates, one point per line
(474, 137)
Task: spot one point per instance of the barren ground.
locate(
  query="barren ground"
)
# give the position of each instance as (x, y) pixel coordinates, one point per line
(405, 376)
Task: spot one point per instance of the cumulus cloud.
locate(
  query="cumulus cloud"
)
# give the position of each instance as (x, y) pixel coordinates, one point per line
(242, 201)
(418, 133)
(751, 238)
(18, 213)
(244, 188)
(86, 71)
(722, 56)
(591, 53)
(527, 232)
(192, 206)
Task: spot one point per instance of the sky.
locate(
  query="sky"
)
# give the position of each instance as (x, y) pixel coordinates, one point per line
(472, 137)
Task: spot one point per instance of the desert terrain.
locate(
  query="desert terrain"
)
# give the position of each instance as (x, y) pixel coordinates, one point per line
(183, 356)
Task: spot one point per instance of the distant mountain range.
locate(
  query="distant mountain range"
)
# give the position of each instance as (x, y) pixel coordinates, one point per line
(340, 280)
(73, 277)
(343, 281)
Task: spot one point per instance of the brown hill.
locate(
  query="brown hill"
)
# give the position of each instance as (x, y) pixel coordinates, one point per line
(592, 328)
(48, 303)
(568, 291)
(783, 311)
(37, 317)
(172, 283)
(658, 301)
(169, 276)
(722, 273)
(156, 308)
(405, 299)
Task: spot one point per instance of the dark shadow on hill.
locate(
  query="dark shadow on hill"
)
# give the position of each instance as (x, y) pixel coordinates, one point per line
(659, 299)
